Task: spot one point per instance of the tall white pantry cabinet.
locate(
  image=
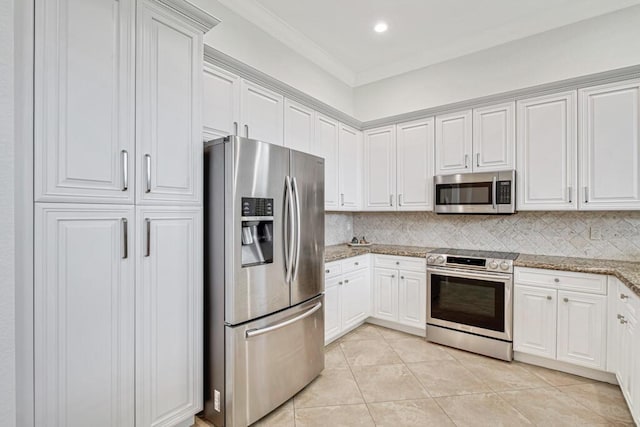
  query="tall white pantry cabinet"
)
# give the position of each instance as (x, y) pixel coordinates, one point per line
(118, 212)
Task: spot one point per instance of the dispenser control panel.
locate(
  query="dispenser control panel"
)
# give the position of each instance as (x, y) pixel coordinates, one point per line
(252, 206)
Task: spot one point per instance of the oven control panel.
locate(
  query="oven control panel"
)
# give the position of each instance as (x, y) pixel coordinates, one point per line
(495, 264)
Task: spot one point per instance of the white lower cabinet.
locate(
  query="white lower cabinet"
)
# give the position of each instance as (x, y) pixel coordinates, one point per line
(169, 310)
(553, 322)
(84, 315)
(400, 294)
(347, 295)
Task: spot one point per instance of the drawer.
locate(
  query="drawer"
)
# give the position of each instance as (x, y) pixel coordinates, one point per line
(567, 280)
(355, 263)
(330, 282)
(332, 269)
(626, 298)
(401, 262)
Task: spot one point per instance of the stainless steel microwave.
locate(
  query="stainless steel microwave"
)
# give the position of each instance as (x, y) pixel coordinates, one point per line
(476, 193)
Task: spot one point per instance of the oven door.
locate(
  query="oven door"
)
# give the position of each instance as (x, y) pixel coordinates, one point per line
(477, 303)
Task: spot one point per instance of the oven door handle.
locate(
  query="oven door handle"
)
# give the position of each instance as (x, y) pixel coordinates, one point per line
(458, 273)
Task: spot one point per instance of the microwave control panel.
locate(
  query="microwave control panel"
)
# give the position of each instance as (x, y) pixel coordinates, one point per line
(503, 190)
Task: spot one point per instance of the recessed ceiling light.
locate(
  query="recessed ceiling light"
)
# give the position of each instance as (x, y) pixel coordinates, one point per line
(380, 27)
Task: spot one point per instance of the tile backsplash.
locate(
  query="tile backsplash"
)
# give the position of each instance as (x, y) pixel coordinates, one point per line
(605, 235)
(338, 228)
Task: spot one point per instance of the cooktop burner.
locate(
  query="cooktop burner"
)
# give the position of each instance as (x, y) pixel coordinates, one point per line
(476, 254)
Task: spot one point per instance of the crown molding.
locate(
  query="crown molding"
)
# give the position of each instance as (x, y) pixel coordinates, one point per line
(199, 17)
(275, 27)
(222, 60)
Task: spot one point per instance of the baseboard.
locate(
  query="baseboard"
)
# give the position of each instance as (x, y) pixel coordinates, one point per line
(186, 423)
(581, 371)
(397, 326)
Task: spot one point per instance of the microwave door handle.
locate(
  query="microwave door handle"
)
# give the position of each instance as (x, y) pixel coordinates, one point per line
(494, 192)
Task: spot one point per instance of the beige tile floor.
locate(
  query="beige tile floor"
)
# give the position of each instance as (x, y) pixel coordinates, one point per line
(379, 377)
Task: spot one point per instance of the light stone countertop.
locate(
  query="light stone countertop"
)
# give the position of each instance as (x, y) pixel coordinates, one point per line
(628, 272)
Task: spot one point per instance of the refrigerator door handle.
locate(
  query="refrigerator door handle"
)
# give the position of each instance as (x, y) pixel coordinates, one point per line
(255, 332)
(288, 232)
(297, 227)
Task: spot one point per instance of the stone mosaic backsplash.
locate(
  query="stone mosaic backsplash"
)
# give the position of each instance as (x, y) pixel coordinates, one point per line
(602, 235)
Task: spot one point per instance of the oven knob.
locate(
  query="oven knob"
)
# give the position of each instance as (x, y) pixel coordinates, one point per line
(493, 265)
(504, 265)
(431, 259)
(440, 260)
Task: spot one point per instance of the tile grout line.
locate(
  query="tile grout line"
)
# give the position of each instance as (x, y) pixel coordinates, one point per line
(609, 420)
(358, 385)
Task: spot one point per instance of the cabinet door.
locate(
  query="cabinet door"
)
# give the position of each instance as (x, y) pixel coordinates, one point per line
(299, 122)
(494, 137)
(262, 113)
(84, 315)
(582, 329)
(415, 165)
(412, 299)
(453, 143)
(220, 103)
(169, 95)
(610, 146)
(169, 310)
(628, 365)
(356, 298)
(380, 169)
(350, 165)
(534, 321)
(326, 145)
(385, 294)
(332, 308)
(84, 101)
(547, 152)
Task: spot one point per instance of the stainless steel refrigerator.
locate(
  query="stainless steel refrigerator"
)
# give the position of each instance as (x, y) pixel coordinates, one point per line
(264, 277)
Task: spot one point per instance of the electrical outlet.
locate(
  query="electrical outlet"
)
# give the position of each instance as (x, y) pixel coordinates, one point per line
(595, 232)
(216, 400)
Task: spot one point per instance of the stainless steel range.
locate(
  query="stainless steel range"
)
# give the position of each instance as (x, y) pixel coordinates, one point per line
(470, 300)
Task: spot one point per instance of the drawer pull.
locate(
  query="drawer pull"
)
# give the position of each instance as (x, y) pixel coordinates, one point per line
(402, 277)
(623, 296)
(346, 281)
(327, 271)
(393, 276)
(620, 316)
(622, 321)
(556, 280)
(339, 283)
(549, 297)
(565, 299)
(397, 262)
(356, 263)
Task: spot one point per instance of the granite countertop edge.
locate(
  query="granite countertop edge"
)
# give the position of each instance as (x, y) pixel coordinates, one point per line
(628, 272)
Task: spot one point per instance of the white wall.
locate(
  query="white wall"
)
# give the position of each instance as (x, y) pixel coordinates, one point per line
(603, 43)
(246, 42)
(7, 287)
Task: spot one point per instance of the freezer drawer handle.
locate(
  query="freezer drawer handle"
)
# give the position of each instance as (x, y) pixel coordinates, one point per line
(255, 332)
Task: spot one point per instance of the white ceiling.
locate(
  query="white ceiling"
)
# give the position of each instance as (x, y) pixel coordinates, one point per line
(338, 34)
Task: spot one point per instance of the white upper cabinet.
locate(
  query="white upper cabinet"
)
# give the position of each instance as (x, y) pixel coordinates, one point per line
(299, 123)
(169, 312)
(220, 103)
(169, 107)
(84, 101)
(415, 165)
(350, 168)
(262, 113)
(454, 143)
(84, 315)
(380, 169)
(547, 152)
(610, 146)
(494, 137)
(327, 146)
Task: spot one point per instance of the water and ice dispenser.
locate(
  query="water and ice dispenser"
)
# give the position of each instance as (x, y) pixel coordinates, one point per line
(257, 231)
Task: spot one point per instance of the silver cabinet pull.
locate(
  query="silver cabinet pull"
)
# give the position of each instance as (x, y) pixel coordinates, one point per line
(622, 321)
(246, 131)
(556, 280)
(341, 199)
(478, 159)
(124, 155)
(339, 283)
(548, 297)
(125, 238)
(327, 271)
(346, 281)
(565, 299)
(400, 199)
(393, 276)
(586, 194)
(570, 191)
(397, 262)
(466, 161)
(356, 263)
(620, 316)
(390, 199)
(147, 163)
(402, 277)
(255, 332)
(623, 296)
(147, 246)
(235, 128)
